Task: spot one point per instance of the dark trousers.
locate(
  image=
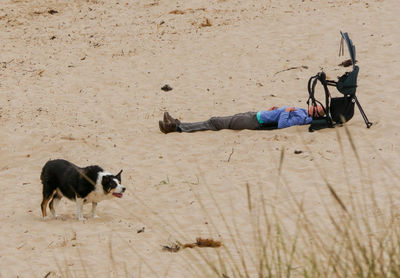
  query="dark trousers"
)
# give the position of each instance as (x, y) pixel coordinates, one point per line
(239, 121)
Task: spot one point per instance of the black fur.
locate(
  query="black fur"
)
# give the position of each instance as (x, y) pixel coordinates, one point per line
(72, 180)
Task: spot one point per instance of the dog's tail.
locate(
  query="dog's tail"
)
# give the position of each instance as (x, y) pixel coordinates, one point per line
(49, 188)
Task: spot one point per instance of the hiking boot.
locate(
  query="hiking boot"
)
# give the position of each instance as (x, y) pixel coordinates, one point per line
(169, 119)
(165, 118)
(161, 126)
(167, 127)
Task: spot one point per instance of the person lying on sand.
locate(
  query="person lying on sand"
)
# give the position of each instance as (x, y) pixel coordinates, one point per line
(282, 117)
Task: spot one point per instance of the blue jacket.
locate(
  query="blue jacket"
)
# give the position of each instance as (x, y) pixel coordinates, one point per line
(283, 118)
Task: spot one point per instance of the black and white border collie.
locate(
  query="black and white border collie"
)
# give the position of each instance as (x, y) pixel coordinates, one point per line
(61, 178)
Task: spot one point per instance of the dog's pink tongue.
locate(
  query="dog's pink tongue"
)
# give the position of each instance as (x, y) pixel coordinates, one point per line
(119, 195)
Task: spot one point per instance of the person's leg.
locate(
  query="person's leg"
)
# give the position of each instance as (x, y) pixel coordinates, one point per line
(246, 120)
(197, 126)
(240, 121)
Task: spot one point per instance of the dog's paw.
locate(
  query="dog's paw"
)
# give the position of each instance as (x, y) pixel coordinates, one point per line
(81, 218)
(95, 216)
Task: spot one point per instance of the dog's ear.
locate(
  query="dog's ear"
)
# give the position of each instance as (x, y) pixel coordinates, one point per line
(118, 176)
(106, 183)
(105, 179)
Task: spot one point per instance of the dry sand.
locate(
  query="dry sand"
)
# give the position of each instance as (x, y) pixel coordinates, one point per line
(83, 83)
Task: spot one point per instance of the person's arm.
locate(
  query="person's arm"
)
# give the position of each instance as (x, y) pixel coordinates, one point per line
(286, 119)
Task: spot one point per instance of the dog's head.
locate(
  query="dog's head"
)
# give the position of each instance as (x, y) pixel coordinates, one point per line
(112, 184)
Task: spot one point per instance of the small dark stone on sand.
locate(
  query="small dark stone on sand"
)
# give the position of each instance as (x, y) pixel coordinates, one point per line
(166, 88)
(298, 152)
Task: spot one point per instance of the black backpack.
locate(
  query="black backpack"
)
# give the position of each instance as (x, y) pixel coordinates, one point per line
(338, 109)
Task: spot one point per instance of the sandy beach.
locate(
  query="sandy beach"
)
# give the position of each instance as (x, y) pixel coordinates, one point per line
(81, 80)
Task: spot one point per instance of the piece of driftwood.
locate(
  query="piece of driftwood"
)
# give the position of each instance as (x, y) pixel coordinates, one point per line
(200, 242)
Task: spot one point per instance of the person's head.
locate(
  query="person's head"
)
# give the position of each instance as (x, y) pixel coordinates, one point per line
(316, 111)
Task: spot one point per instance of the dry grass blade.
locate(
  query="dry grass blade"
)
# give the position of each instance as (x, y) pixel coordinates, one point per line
(215, 227)
(112, 260)
(353, 146)
(281, 161)
(82, 263)
(336, 196)
(177, 12)
(144, 261)
(248, 196)
(177, 231)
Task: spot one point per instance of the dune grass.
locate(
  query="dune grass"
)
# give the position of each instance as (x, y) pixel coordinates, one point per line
(354, 235)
